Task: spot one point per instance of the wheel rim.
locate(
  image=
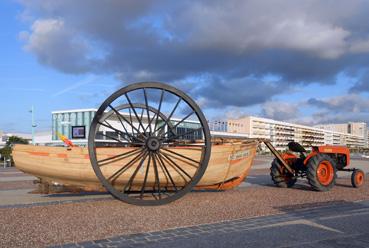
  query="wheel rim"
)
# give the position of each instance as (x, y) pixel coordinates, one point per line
(359, 178)
(325, 173)
(149, 144)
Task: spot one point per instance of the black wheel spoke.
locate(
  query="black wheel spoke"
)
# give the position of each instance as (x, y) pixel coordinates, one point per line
(141, 117)
(182, 160)
(120, 120)
(174, 144)
(157, 180)
(129, 184)
(147, 111)
(130, 123)
(183, 134)
(182, 156)
(145, 179)
(120, 156)
(177, 166)
(118, 131)
(156, 115)
(172, 129)
(130, 118)
(113, 138)
(167, 121)
(134, 111)
(162, 169)
(159, 108)
(162, 164)
(164, 159)
(106, 124)
(136, 150)
(124, 168)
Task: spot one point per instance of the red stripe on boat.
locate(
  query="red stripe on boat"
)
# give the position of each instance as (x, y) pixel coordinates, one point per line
(62, 155)
(40, 153)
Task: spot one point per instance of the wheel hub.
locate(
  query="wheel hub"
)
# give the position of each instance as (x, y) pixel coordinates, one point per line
(325, 173)
(153, 143)
(360, 178)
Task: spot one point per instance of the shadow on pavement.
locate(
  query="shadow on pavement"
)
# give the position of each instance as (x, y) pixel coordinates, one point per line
(56, 195)
(320, 209)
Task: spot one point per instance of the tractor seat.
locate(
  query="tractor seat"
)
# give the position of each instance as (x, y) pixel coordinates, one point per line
(296, 147)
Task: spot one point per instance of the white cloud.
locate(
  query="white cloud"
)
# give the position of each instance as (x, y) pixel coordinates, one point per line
(235, 42)
(280, 110)
(243, 26)
(56, 45)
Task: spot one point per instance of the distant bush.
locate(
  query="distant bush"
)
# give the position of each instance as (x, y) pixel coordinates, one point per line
(6, 152)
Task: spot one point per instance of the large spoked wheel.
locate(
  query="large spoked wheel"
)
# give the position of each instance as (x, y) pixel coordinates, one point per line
(149, 144)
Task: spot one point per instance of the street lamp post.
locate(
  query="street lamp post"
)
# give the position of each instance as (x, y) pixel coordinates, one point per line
(33, 125)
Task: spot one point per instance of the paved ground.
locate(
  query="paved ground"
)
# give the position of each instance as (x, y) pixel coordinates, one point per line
(15, 187)
(28, 220)
(335, 224)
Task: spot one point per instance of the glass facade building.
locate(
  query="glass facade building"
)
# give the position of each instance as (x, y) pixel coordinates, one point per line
(63, 121)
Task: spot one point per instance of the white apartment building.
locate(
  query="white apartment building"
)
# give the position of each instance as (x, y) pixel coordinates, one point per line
(280, 133)
(354, 128)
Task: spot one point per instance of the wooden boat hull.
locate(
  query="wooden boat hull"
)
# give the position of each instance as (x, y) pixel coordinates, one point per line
(228, 166)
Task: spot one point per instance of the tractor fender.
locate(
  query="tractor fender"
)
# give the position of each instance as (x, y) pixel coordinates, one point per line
(311, 155)
(329, 150)
(336, 150)
(288, 156)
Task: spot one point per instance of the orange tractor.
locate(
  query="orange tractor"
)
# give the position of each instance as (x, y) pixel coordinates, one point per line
(319, 167)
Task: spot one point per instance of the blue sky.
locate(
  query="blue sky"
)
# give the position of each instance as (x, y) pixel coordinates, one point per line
(235, 58)
(26, 82)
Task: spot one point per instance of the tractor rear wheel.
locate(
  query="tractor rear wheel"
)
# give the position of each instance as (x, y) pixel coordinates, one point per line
(321, 172)
(357, 178)
(280, 176)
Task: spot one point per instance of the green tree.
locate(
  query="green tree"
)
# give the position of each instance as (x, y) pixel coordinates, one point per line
(6, 152)
(16, 140)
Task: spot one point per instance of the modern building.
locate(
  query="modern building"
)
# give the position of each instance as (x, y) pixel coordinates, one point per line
(280, 133)
(75, 125)
(354, 128)
(64, 121)
(218, 126)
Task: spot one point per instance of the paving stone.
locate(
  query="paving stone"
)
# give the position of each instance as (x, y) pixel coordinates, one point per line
(85, 243)
(114, 243)
(101, 241)
(70, 245)
(119, 238)
(224, 228)
(91, 246)
(364, 237)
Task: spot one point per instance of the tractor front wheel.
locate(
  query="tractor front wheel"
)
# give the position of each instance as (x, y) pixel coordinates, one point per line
(321, 172)
(357, 178)
(280, 176)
